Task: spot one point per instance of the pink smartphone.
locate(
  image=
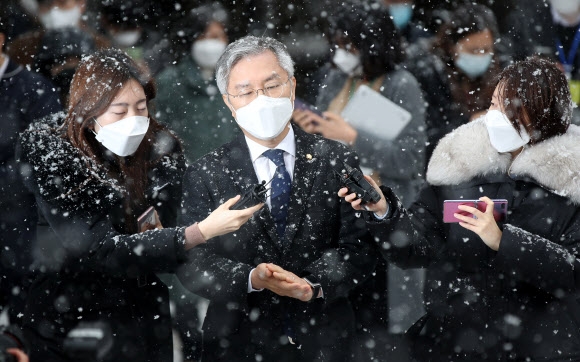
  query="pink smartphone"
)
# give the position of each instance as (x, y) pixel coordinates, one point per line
(450, 207)
(147, 220)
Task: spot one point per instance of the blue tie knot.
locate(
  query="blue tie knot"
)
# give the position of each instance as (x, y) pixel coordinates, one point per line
(275, 155)
(280, 194)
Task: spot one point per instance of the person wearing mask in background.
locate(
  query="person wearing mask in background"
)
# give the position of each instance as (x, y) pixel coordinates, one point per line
(401, 12)
(368, 51)
(61, 50)
(24, 97)
(278, 288)
(552, 31)
(189, 99)
(121, 21)
(456, 73)
(52, 14)
(93, 172)
(507, 289)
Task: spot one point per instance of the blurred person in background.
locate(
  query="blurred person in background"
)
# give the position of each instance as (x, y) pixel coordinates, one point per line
(94, 171)
(61, 50)
(402, 13)
(24, 97)
(53, 14)
(122, 22)
(506, 289)
(20, 15)
(456, 72)
(368, 51)
(550, 28)
(188, 99)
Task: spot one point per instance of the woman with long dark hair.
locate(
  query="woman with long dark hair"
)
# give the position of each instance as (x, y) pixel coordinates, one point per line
(94, 171)
(498, 287)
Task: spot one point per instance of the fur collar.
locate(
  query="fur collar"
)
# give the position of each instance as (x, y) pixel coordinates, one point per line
(467, 153)
(61, 174)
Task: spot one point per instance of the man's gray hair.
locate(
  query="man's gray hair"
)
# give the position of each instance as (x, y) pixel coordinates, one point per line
(249, 46)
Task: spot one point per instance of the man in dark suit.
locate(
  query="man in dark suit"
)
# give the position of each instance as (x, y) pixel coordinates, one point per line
(278, 287)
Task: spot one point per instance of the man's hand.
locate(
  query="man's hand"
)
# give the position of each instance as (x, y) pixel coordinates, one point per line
(282, 282)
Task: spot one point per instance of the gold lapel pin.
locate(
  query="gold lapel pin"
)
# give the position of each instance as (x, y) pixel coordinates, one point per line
(308, 156)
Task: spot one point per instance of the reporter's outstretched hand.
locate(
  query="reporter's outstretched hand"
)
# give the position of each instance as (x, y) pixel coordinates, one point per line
(223, 220)
(282, 282)
(379, 208)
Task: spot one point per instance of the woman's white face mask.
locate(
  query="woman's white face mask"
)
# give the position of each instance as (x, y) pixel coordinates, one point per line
(265, 117)
(124, 136)
(502, 134)
(347, 62)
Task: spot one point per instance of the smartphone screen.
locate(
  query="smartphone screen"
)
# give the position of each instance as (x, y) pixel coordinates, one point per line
(450, 207)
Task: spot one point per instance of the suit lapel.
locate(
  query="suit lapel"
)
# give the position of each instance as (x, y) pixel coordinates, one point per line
(241, 170)
(306, 162)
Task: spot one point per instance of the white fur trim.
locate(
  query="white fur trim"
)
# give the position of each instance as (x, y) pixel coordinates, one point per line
(466, 153)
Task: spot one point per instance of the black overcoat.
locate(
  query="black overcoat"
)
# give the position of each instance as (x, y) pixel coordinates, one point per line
(89, 271)
(324, 240)
(519, 303)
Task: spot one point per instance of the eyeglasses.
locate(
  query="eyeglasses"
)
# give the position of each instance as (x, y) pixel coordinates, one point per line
(273, 89)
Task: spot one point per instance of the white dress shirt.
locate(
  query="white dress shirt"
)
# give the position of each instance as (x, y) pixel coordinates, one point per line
(264, 167)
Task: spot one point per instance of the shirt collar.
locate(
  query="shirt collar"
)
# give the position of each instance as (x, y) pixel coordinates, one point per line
(287, 145)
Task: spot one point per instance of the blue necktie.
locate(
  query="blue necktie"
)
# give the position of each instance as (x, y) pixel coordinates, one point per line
(280, 194)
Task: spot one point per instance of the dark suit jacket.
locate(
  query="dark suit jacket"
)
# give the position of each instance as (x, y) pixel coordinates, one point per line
(325, 240)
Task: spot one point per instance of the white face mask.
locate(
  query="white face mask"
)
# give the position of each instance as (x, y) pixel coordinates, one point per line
(502, 134)
(473, 65)
(123, 137)
(265, 117)
(127, 38)
(206, 52)
(346, 61)
(566, 7)
(56, 18)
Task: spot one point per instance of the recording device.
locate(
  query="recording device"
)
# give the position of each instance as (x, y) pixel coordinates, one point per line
(353, 179)
(450, 207)
(89, 341)
(10, 338)
(253, 196)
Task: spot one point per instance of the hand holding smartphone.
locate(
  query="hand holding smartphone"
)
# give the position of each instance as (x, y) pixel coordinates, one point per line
(149, 220)
(450, 207)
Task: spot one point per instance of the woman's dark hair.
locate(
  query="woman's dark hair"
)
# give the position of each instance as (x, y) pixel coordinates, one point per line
(535, 94)
(97, 81)
(369, 28)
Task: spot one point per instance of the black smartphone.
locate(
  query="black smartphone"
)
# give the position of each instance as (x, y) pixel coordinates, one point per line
(301, 104)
